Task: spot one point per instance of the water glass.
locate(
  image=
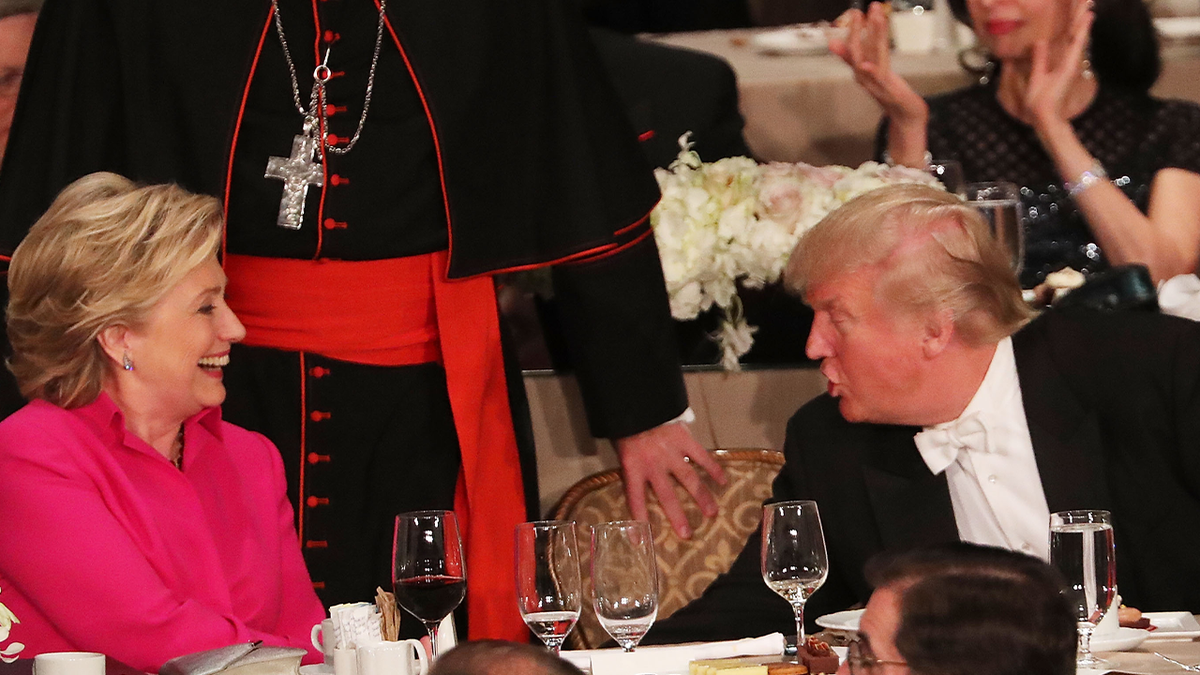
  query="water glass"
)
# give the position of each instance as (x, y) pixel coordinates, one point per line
(548, 586)
(1000, 204)
(794, 563)
(429, 575)
(1082, 547)
(624, 580)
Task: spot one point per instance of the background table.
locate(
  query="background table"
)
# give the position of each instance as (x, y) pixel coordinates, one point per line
(808, 108)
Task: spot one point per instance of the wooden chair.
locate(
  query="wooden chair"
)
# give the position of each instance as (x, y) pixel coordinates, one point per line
(685, 567)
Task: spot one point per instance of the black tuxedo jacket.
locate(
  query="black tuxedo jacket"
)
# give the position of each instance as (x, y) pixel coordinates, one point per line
(1113, 405)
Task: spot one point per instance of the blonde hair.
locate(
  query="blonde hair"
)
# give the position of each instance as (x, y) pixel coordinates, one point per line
(935, 253)
(103, 254)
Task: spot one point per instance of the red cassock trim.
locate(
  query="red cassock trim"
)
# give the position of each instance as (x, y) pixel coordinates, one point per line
(399, 312)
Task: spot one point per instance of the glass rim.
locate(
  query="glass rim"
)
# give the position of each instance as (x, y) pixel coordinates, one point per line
(791, 502)
(621, 523)
(425, 514)
(1083, 515)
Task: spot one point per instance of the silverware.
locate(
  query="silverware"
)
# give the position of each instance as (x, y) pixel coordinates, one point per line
(1192, 669)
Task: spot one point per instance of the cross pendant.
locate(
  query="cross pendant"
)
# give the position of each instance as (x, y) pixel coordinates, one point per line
(297, 172)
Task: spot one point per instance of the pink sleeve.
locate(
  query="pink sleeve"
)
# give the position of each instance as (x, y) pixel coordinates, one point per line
(70, 557)
(301, 608)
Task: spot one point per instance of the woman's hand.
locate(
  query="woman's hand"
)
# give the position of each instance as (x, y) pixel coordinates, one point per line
(1047, 92)
(865, 49)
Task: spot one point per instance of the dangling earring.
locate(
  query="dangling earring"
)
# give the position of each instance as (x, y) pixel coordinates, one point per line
(1087, 62)
(126, 362)
(989, 69)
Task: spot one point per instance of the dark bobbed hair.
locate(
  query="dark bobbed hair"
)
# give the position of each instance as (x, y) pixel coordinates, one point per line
(1124, 48)
(976, 610)
(497, 657)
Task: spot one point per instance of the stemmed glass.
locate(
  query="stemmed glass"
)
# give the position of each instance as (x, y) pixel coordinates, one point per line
(548, 586)
(794, 563)
(429, 576)
(1082, 547)
(1000, 204)
(624, 580)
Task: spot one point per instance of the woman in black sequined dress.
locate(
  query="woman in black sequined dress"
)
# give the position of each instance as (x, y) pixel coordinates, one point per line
(1044, 121)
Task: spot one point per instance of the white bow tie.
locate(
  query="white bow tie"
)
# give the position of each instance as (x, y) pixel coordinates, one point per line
(939, 446)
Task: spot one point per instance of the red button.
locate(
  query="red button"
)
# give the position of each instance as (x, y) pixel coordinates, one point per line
(338, 180)
(314, 458)
(334, 139)
(331, 109)
(319, 585)
(317, 371)
(318, 415)
(316, 544)
(314, 502)
(331, 224)
(331, 36)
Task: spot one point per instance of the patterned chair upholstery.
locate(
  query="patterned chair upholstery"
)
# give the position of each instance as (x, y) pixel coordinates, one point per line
(685, 567)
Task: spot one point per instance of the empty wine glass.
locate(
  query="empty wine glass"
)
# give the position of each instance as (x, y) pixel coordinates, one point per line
(794, 563)
(1000, 204)
(548, 586)
(624, 580)
(429, 576)
(1082, 547)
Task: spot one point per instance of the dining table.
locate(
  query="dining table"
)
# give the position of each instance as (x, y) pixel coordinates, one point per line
(806, 107)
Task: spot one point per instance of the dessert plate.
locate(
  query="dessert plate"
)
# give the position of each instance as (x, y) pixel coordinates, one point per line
(1173, 625)
(846, 620)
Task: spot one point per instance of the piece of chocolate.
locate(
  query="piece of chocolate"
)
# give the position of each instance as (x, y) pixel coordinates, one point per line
(818, 657)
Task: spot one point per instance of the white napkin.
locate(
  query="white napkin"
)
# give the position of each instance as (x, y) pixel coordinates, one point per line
(670, 659)
(355, 624)
(1180, 296)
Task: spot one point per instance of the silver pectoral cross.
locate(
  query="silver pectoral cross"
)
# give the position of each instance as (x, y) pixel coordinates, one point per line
(297, 172)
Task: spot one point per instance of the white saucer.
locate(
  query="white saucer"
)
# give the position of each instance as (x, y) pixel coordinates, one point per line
(846, 620)
(1124, 639)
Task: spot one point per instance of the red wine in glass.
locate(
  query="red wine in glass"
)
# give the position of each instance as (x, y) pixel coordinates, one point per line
(430, 598)
(429, 576)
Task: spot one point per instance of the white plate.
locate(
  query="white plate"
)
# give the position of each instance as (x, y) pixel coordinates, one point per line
(846, 620)
(1173, 625)
(1178, 27)
(1122, 640)
(796, 40)
(316, 669)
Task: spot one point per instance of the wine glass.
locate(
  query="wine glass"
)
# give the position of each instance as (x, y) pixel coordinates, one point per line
(624, 580)
(949, 173)
(1082, 547)
(794, 563)
(1000, 204)
(429, 576)
(548, 586)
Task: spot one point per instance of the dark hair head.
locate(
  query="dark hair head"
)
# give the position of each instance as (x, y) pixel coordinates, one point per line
(497, 657)
(976, 610)
(1124, 47)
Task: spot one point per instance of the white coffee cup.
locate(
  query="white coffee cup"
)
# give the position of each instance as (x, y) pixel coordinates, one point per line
(393, 658)
(68, 663)
(345, 661)
(322, 639)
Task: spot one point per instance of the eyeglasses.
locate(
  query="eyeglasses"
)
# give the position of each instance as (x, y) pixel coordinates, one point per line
(862, 661)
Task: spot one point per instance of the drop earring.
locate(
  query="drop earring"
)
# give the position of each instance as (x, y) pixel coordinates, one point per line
(126, 362)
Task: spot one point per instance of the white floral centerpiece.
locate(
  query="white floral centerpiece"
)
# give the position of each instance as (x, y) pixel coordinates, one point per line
(736, 221)
(7, 619)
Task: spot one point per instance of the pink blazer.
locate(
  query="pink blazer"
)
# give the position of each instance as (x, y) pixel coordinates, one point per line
(105, 546)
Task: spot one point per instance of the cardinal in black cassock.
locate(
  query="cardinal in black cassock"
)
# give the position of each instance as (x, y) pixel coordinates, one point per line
(492, 142)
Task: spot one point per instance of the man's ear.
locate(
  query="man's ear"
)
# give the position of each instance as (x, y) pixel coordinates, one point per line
(114, 340)
(939, 331)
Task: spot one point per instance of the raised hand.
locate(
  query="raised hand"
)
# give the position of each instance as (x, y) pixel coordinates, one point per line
(1047, 90)
(866, 50)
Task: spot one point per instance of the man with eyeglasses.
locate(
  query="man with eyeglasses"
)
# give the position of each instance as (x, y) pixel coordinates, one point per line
(963, 609)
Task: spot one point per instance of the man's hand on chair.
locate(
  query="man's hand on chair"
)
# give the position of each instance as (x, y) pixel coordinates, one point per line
(661, 457)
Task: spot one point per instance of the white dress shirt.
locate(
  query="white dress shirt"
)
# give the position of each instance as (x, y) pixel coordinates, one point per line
(987, 455)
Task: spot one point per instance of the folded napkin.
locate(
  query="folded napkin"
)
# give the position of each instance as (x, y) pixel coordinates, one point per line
(670, 659)
(1180, 296)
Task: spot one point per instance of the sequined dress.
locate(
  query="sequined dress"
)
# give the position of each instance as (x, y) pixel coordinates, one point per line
(1132, 134)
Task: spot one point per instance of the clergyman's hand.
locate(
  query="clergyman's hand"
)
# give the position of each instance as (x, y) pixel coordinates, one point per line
(660, 457)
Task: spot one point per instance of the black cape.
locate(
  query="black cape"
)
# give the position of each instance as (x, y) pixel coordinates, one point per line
(537, 153)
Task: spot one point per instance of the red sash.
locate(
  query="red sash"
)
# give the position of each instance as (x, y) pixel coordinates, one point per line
(398, 312)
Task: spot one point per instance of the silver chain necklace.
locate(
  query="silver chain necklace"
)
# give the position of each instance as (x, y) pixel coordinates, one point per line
(322, 75)
(303, 168)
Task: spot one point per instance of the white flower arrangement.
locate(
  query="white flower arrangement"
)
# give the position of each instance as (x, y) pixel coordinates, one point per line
(7, 619)
(736, 221)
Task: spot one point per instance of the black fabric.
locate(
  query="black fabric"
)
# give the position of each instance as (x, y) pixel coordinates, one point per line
(1113, 405)
(1132, 135)
(539, 160)
(667, 91)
